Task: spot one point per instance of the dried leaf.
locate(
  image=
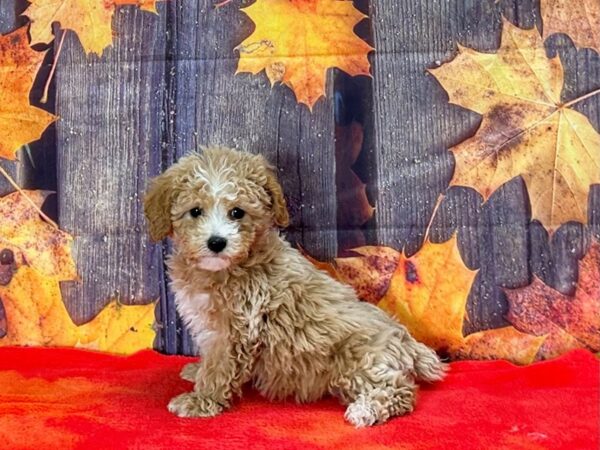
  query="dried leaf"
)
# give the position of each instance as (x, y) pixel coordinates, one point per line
(91, 20)
(569, 322)
(525, 130)
(581, 21)
(20, 122)
(296, 41)
(504, 343)
(427, 293)
(369, 273)
(31, 240)
(36, 315)
(34, 258)
(119, 329)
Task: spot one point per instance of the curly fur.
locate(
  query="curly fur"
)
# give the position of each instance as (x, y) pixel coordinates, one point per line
(260, 312)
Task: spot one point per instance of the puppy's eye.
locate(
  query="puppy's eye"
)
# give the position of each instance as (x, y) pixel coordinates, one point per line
(195, 212)
(237, 213)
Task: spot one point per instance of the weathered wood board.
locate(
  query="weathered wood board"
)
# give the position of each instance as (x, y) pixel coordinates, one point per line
(108, 145)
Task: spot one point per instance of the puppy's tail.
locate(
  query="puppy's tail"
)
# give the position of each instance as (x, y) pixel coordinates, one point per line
(427, 364)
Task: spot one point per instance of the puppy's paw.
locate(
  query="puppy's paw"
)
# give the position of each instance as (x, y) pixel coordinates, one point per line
(361, 414)
(192, 405)
(189, 371)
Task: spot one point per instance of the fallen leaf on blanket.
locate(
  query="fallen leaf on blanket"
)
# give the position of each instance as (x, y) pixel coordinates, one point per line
(36, 315)
(581, 21)
(26, 239)
(353, 207)
(91, 20)
(20, 123)
(526, 129)
(428, 293)
(568, 321)
(296, 41)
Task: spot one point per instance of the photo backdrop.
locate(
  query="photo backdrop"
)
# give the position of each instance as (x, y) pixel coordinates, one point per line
(443, 158)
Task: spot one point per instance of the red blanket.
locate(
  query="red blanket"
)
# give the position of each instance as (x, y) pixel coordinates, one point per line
(60, 399)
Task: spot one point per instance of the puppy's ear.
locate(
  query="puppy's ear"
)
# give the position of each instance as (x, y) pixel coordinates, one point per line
(273, 188)
(157, 206)
(280, 212)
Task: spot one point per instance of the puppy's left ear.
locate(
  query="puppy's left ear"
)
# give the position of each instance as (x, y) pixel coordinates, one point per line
(157, 206)
(273, 188)
(280, 212)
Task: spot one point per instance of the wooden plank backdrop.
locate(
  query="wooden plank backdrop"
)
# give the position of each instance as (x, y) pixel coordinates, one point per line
(168, 84)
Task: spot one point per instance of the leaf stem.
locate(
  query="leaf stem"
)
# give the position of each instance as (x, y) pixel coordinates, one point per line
(54, 64)
(27, 198)
(579, 99)
(433, 214)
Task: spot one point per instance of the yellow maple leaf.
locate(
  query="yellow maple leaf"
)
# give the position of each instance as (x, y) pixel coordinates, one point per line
(581, 22)
(428, 293)
(33, 241)
(36, 315)
(526, 130)
(34, 258)
(296, 41)
(119, 328)
(91, 20)
(20, 122)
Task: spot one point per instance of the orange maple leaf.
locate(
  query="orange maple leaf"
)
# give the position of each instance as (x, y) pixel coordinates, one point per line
(26, 239)
(568, 321)
(428, 293)
(581, 21)
(91, 20)
(34, 258)
(295, 42)
(526, 129)
(36, 315)
(21, 123)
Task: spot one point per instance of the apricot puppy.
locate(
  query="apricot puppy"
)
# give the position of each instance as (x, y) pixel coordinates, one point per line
(259, 311)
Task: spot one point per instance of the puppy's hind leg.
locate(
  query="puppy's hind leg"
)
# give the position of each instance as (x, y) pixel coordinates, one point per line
(376, 404)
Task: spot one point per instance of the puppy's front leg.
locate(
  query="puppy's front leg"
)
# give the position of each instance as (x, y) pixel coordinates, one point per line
(220, 375)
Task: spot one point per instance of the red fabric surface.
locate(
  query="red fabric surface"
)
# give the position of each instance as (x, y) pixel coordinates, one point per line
(64, 398)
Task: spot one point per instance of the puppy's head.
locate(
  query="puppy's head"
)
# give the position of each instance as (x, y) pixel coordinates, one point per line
(214, 205)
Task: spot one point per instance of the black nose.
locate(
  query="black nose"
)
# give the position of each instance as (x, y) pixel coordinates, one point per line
(216, 243)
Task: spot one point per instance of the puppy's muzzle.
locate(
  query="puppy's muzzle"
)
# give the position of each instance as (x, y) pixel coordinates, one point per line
(216, 244)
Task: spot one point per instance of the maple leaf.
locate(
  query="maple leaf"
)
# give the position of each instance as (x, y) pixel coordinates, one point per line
(91, 20)
(20, 122)
(34, 257)
(36, 315)
(525, 129)
(568, 321)
(296, 41)
(27, 239)
(428, 293)
(580, 22)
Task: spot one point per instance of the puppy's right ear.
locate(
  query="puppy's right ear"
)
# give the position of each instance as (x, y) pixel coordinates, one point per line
(157, 206)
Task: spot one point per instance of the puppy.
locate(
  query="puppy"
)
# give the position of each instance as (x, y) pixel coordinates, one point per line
(259, 311)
